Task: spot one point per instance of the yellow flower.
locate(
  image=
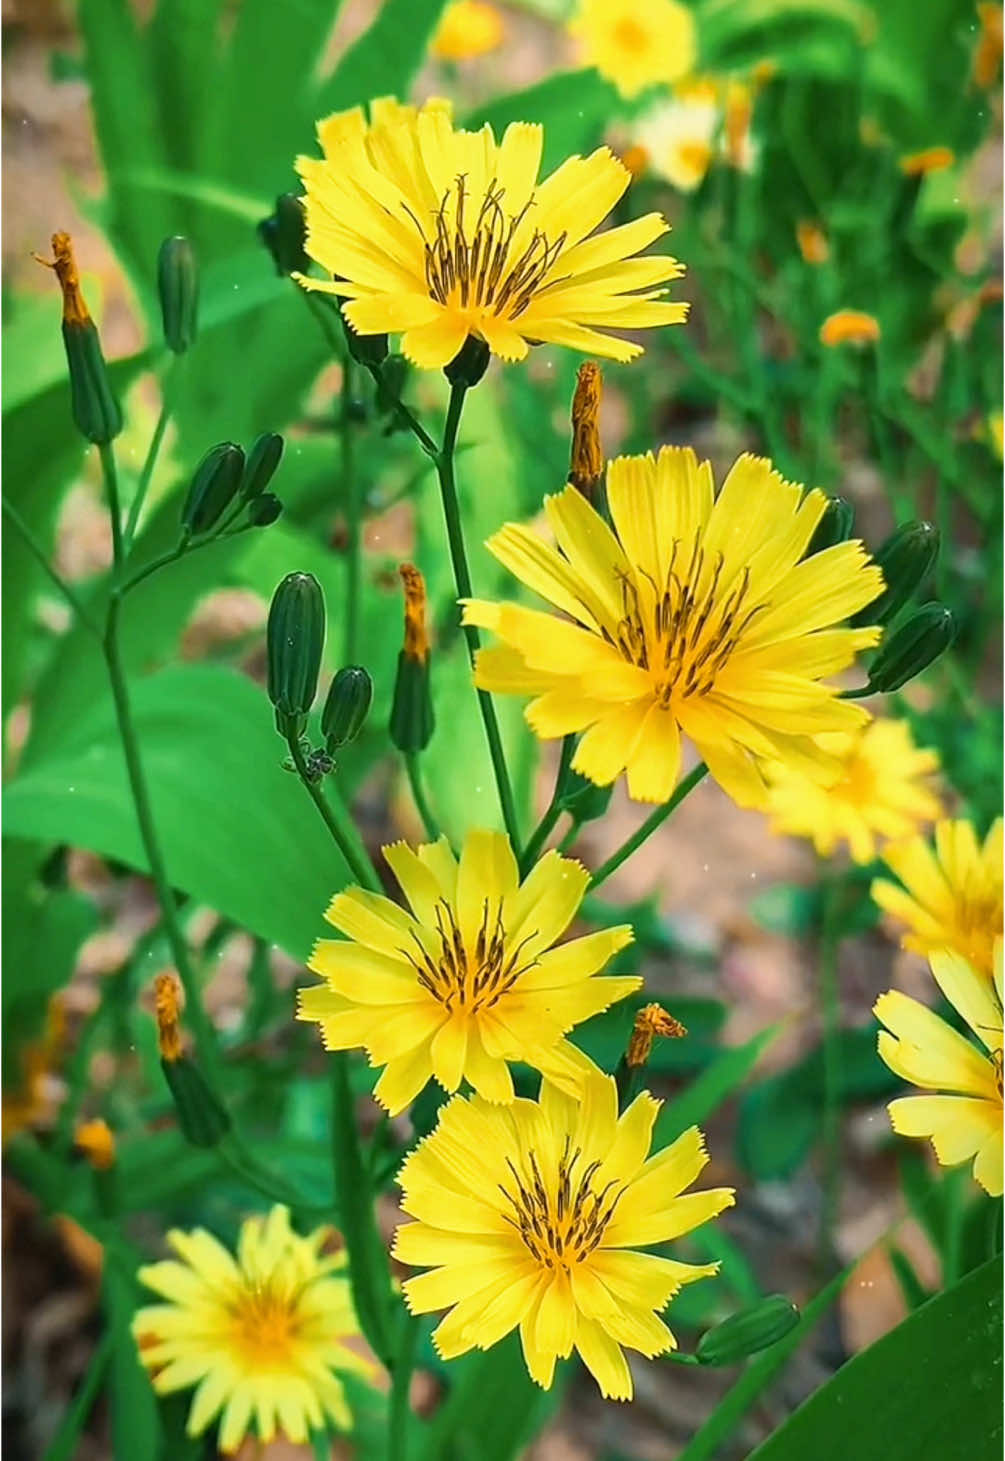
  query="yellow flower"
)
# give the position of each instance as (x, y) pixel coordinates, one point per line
(679, 136)
(437, 234)
(469, 979)
(469, 28)
(881, 791)
(527, 1211)
(952, 894)
(260, 1332)
(849, 327)
(694, 615)
(636, 43)
(966, 1120)
(932, 159)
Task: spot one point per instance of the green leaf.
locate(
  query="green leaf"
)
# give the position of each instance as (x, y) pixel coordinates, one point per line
(136, 1427)
(910, 1284)
(385, 58)
(491, 1384)
(931, 1387)
(715, 1085)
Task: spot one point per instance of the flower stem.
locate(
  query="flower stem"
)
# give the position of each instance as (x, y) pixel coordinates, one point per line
(339, 824)
(38, 553)
(830, 1012)
(405, 416)
(542, 831)
(401, 1376)
(111, 479)
(351, 489)
(462, 579)
(419, 794)
(167, 405)
(649, 826)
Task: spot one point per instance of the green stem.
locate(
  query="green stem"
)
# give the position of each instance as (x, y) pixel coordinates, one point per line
(111, 478)
(63, 1445)
(167, 405)
(234, 1155)
(649, 826)
(38, 553)
(401, 1377)
(353, 505)
(543, 830)
(419, 794)
(569, 838)
(462, 579)
(154, 565)
(406, 417)
(338, 823)
(830, 1010)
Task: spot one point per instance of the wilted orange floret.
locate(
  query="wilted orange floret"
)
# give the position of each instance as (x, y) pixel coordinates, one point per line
(651, 1020)
(932, 159)
(812, 243)
(75, 311)
(416, 644)
(167, 1010)
(988, 56)
(849, 327)
(586, 466)
(95, 1140)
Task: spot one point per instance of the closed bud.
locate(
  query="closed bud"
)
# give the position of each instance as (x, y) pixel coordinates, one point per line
(912, 648)
(834, 527)
(906, 558)
(583, 799)
(214, 486)
(178, 287)
(96, 412)
(368, 350)
(346, 707)
(295, 637)
(260, 468)
(392, 382)
(469, 364)
(412, 722)
(264, 510)
(284, 233)
(748, 1331)
(201, 1117)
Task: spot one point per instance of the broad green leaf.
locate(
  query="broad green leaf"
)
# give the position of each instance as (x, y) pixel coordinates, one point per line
(385, 58)
(931, 1387)
(136, 1427)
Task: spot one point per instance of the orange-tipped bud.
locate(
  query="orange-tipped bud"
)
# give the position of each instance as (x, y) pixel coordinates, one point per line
(932, 159)
(416, 646)
(96, 1142)
(168, 1003)
(849, 327)
(586, 466)
(988, 55)
(75, 311)
(812, 243)
(651, 1020)
(96, 412)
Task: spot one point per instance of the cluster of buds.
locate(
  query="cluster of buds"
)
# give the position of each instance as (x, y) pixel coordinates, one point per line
(227, 486)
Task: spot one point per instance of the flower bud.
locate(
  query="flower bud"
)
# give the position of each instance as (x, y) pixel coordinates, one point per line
(912, 648)
(346, 707)
(201, 1117)
(368, 350)
(583, 799)
(469, 364)
(748, 1331)
(906, 558)
(412, 722)
(284, 233)
(586, 466)
(96, 412)
(262, 511)
(295, 637)
(178, 287)
(214, 486)
(260, 468)
(834, 527)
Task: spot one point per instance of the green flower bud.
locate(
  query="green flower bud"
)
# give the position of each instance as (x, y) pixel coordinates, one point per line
(912, 648)
(295, 637)
(260, 468)
(583, 799)
(906, 558)
(96, 412)
(470, 363)
(284, 233)
(178, 287)
(213, 488)
(834, 527)
(262, 511)
(201, 1117)
(346, 707)
(748, 1331)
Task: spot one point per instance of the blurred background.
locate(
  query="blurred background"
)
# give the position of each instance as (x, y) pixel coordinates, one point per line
(818, 158)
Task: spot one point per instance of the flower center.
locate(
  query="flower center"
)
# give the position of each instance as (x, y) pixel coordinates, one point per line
(471, 263)
(469, 978)
(689, 633)
(562, 1228)
(265, 1321)
(631, 36)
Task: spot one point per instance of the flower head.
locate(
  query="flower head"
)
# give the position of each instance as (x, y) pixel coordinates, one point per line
(696, 614)
(881, 790)
(952, 894)
(965, 1119)
(261, 1332)
(469, 978)
(468, 28)
(529, 1213)
(440, 234)
(679, 136)
(849, 327)
(636, 43)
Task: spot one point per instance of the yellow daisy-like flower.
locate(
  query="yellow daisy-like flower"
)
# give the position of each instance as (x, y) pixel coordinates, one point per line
(696, 614)
(469, 978)
(636, 43)
(952, 894)
(966, 1119)
(261, 1333)
(468, 28)
(439, 234)
(881, 791)
(526, 1216)
(679, 136)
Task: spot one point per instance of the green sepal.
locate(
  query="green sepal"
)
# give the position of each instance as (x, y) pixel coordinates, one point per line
(583, 799)
(912, 648)
(412, 721)
(284, 234)
(201, 1117)
(469, 364)
(96, 412)
(834, 527)
(906, 558)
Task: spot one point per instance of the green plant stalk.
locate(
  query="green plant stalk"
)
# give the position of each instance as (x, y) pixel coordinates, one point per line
(462, 579)
(649, 826)
(398, 1409)
(569, 838)
(38, 553)
(63, 1446)
(830, 1011)
(353, 513)
(552, 812)
(167, 405)
(111, 480)
(339, 824)
(407, 418)
(414, 770)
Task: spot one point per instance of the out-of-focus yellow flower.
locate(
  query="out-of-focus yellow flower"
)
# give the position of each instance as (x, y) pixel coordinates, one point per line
(528, 1215)
(438, 234)
(35, 1099)
(95, 1140)
(996, 433)
(952, 894)
(636, 43)
(882, 790)
(695, 615)
(988, 55)
(261, 1333)
(679, 136)
(471, 978)
(468, 28)
(965, 1119)
(849, 327)
(636, 159)
(812, 243)
(932, 159)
